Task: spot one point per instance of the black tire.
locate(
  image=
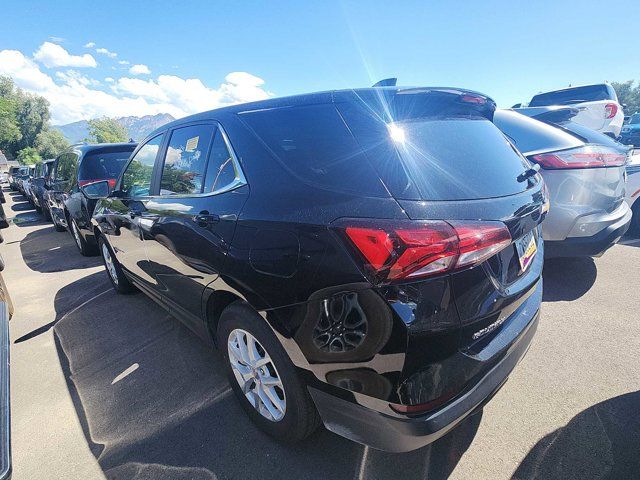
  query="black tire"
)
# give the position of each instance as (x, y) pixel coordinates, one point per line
(47, 214)
(86, 249)
(118, 279)
(300, 418)
(634, 228)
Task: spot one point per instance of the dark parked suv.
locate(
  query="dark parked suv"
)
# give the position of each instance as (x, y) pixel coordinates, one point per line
(367, 258)
(82, 165)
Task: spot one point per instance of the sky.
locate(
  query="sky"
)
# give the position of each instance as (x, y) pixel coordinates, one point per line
(123, 58)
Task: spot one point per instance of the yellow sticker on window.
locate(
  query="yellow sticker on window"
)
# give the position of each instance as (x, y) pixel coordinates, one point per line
(192, 144)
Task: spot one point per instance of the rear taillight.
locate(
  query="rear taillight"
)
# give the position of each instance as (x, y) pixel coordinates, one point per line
(401, 250)
(610, 110)
(112, 182)
(583, 157)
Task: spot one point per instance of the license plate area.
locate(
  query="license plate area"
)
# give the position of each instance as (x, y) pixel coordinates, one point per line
(526, 248)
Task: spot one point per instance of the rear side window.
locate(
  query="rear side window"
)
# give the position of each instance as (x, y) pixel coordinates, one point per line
(186, 160)
(222, 170)
(103, 165)
(314, 144)
(568, 96)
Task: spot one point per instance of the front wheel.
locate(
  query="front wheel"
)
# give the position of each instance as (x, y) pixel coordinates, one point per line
(119, 281)
(262, 376)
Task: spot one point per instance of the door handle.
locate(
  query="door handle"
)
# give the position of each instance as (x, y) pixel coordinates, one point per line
(205, 219)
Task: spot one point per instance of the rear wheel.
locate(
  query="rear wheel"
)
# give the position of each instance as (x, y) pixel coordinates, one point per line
(47, 213)
(86, 249)
(262, 376)
(119, 281)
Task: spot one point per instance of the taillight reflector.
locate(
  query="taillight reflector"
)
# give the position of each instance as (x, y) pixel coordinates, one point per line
(405, 250)
(583, 157)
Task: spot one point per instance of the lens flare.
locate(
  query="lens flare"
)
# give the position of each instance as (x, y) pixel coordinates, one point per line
(396, 133)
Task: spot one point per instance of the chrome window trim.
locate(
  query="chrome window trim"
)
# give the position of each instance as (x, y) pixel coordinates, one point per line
(239, 180)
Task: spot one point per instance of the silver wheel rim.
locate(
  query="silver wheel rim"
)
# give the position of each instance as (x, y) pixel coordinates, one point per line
(76, 234)
(108, 261)
(257, 375)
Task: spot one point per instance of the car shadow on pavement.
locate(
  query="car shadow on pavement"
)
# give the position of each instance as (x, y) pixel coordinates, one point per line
(601, 442)
(47, 251)
(154, 404)
(22, 206)
(567, 279)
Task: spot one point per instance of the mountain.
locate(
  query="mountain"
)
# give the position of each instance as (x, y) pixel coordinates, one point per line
(137, 127)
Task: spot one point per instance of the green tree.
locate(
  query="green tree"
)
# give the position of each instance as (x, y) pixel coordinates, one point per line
(27, 112)
(9, 130)
(28, 156)
(106, 130)
(628, 95)
(50, 143)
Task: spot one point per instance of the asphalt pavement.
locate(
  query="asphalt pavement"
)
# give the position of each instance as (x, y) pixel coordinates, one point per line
(111, 386)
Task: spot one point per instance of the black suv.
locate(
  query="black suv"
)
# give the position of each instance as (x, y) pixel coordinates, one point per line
(366, 258)
(82, 165)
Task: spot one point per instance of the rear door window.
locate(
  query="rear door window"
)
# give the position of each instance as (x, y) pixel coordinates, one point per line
(186, 160)
(589, 93)
(222, 169)
(314, 144)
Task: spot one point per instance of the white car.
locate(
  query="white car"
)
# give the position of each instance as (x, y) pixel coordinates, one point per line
(633, 191)
(597, 105)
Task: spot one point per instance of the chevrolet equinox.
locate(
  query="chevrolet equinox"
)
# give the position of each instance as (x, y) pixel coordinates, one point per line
(367, 259)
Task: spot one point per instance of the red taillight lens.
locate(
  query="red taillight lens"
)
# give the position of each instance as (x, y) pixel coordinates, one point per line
(583, 157)
(478, 100)
(112, 182)
(610, 110)
(406, 250)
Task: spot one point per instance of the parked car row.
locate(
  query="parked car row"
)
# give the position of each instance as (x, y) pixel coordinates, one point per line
(368, 259)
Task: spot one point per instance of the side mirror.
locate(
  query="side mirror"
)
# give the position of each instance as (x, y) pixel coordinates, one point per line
(96, 190)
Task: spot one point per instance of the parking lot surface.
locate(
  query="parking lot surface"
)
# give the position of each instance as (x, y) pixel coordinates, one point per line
(110, 386)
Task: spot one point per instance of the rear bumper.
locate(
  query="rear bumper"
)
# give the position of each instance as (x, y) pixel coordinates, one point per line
(593, 246)
(401, 433)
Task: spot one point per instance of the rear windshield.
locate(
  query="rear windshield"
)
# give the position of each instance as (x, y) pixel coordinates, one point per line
(418, 158)
(99, 165)
(568, 96)
(590, 136)
(530, 135)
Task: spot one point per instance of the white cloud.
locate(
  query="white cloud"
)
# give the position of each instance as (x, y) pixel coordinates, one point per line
(89, 45)
(52, 55)
(57, 39)
(123, 62)
(104, 51)
(139, 69)
(73, 75)
(74, 96)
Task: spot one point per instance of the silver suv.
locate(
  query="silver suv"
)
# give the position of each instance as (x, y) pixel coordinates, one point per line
(585, 174)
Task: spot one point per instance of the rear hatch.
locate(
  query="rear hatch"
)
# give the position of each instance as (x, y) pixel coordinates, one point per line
(441, 157)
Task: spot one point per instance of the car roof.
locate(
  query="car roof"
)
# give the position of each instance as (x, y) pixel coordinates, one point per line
(89, 147)
(329, 96)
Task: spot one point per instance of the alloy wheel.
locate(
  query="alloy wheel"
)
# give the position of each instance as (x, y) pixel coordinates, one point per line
(108, 261)
(76, 234)
(257, 375)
